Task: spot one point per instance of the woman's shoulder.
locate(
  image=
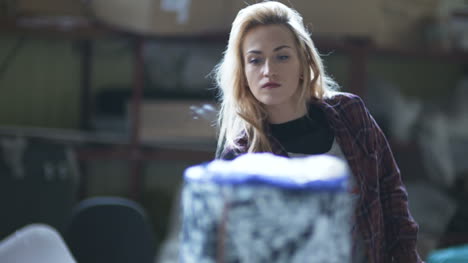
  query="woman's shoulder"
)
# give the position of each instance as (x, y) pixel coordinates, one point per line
(344, 104)
(354, 114)
(350, 108)
(342, 98)
(232, 150)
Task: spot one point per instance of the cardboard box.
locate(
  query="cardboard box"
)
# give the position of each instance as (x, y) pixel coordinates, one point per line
(173, 121)
(388, 22)
(50, 7)
(403, 21)
(338, 18)
(331, 17)
(162, 17)
(129, 15)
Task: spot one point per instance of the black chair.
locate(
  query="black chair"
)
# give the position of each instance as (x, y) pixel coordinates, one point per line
(110, 229)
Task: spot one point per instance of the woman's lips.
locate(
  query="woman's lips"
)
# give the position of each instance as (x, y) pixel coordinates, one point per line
(270, 85)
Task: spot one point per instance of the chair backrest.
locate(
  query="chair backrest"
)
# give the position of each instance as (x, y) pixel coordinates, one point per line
(110, 229)
(36, 243)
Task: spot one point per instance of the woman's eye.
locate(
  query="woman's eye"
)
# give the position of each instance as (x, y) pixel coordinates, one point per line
(283, 57)
(254, 61)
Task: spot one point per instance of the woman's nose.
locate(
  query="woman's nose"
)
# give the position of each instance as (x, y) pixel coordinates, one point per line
(268, 69)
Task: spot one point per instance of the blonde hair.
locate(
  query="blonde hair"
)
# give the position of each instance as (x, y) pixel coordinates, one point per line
(241, 115)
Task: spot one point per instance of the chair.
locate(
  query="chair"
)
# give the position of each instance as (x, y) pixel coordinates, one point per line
(35, 243)
(110, 229)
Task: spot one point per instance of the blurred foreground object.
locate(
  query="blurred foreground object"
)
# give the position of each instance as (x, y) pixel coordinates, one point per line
(449, 255)
(36, 243)
(266, 208)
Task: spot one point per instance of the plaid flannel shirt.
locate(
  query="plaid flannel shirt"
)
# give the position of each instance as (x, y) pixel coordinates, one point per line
(382, 216)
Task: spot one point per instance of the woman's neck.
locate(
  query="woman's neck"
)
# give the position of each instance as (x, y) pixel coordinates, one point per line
(277, 114)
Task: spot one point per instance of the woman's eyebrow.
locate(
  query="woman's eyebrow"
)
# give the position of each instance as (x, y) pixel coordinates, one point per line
(254, 51)
(281, 47)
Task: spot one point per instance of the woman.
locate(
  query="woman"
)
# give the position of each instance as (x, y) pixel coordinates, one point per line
(276, 97)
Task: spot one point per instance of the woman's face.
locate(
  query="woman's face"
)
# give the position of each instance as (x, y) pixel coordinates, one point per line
(272, 66)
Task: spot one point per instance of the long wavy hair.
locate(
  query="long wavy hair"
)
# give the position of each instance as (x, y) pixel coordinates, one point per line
(241, 115)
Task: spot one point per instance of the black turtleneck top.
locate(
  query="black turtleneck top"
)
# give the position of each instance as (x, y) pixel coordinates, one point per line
(310, 134)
